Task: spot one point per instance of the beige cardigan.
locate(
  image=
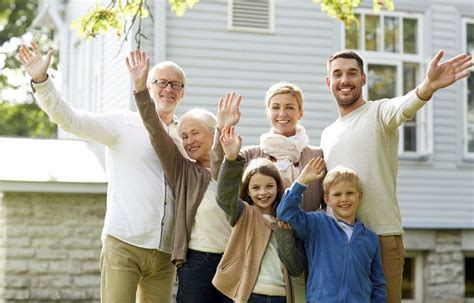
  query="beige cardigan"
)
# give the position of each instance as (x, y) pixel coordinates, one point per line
(238, 271)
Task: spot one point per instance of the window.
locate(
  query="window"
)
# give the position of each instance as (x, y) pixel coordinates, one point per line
(391, 48)
(469, 276)
(251, 15)
(412, 291)
(469, 92)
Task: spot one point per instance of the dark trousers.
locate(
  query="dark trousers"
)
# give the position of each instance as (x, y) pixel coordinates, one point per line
(256, 298)
(195, 279)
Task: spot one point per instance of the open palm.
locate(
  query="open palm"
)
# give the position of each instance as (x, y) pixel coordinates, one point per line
(35, 65)
(313, 171)
(443, 74)
(228, 112)
(230, 142)
(138, 64)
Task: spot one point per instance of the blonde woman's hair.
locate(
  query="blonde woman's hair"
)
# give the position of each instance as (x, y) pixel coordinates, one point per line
(285, 88)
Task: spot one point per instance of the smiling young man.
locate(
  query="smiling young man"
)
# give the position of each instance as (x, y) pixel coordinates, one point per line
(139, 219)
(365, 139)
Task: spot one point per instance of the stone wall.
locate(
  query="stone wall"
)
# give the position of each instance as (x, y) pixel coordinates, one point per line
(50, 247)
(444, 269)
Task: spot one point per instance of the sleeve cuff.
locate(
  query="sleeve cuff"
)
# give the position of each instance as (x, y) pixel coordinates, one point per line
(298, 187)
(41, 87)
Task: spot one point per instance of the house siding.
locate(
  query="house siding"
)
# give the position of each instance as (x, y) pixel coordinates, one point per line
(217, 60)
(438, 192)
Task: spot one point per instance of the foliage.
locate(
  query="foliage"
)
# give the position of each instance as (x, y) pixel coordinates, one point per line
(120, 16)
(25, 120)
(15, 21)
(344, 9)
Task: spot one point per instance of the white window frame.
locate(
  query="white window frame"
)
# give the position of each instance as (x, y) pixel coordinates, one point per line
(269, 30)
(424, 126)
(467, 155)
(419, 267)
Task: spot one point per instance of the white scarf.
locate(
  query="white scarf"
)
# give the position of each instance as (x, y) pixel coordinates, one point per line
(286, 150)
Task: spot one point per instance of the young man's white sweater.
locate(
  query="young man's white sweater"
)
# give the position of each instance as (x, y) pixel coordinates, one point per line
(140, 206)
(366, 140)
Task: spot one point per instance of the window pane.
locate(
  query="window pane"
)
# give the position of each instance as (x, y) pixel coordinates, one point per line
(381, 80)
(409, 137)
(352, 34)
(391, 35)
(470, 139)
(470, 37)
(372, 30)
(410, 36)
(470, 113)
(469, 277)
(410, 76)
(408, 283)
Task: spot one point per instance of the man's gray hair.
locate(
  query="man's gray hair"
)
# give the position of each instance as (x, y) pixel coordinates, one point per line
(163, 64)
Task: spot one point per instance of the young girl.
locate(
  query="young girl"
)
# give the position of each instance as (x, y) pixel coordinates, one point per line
(261, 252)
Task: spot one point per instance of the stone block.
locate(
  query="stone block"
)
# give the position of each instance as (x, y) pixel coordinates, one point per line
(73, 294)
(46, 294)
(19, 253)
(16, 294)
(84, 254)
(90, 267)
(17, 281)
(37, 267)
(65, 267)
(86, 281)
(16, 267)
(49, 254)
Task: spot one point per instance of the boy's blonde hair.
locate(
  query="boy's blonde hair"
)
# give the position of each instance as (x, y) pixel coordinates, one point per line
(340, 174)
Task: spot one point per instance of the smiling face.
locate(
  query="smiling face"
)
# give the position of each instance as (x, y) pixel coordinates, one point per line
(284, 113)
(166, 99)
(197, 140)
(345, 81)
(343, 198)
(263, 191)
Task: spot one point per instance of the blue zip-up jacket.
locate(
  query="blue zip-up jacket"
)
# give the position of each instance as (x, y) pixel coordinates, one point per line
(340, 270)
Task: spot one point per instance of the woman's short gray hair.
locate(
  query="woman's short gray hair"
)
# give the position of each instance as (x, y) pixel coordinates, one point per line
(201, 114)
(163, 64)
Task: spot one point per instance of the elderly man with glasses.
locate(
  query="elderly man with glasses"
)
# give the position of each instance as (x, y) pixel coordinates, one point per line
(139, 221)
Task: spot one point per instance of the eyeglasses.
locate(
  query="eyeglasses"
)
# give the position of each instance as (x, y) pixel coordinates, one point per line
(163, 83)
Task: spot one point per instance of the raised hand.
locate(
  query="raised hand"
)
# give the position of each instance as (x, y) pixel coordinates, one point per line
(440, 75)
(313, 171)
(35, 65)
(228, 111)
(138, 64)
(230, 142)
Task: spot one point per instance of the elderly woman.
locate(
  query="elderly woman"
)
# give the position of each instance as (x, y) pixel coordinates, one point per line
(202, 229)
(286, 144)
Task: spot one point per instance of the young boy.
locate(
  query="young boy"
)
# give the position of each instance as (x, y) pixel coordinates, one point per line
(343, 256)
